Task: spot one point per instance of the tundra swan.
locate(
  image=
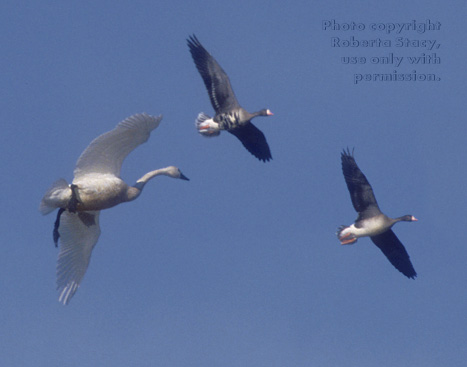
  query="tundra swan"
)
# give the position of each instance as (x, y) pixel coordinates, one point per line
(96, 186)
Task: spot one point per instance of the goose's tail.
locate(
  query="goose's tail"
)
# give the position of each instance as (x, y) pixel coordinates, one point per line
(206, 125)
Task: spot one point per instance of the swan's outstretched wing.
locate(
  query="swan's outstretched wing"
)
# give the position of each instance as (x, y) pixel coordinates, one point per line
(79, 233)
(106, 153)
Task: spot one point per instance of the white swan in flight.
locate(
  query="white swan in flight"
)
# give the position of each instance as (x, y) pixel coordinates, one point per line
(96, 185)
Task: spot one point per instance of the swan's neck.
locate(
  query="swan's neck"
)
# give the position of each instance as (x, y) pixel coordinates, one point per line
(135, 190)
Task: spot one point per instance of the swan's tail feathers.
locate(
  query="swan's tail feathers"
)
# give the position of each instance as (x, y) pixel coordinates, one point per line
(206, 125)
(55, 197)
(345, 235)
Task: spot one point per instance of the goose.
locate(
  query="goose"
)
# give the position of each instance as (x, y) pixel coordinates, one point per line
(96, 186)
(229, 115)
(371, 222)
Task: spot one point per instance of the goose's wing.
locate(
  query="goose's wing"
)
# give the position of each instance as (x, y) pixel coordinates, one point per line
(106, 153)
(395, 251)
(79, 233)
(253, 140)
(215, 78)
(361, 193)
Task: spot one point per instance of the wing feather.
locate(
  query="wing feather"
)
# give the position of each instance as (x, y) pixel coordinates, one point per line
(215, 78)
(106, 153)
(395, 251)
(361, 193)
(79, 233)
(253, 140)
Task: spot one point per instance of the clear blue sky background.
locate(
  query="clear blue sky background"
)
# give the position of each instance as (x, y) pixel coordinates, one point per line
(241, 265)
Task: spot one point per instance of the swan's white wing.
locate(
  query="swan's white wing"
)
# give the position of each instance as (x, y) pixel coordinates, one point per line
(79, 233)
(106, 153)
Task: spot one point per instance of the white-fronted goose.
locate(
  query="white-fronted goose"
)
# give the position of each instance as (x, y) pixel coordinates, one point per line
(371, 221)
(230, 115)
(96, 186)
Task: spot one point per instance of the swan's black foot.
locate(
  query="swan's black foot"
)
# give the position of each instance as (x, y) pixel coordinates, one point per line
(73, 203)
(56, 235)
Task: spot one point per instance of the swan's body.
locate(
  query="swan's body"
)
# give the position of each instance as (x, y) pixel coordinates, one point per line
(230, 116)
(96, 186)
(371, 222)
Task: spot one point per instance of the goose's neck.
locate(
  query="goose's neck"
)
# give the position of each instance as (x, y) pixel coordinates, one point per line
(255, 114)
(404, 218)
(244, 115)
(135, 190)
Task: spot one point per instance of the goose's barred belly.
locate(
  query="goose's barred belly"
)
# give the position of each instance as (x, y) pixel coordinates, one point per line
(228, 121)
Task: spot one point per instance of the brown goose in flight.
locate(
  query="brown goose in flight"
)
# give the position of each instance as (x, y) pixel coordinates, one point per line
(230, 115)
(371, 221)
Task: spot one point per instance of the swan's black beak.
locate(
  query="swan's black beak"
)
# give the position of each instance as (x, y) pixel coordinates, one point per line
(183, 177)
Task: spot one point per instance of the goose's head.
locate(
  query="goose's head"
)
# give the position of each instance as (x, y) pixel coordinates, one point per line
(405, 218)
(265, 112)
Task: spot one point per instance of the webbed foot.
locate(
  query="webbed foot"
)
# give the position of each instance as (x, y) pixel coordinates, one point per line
(206, 125)
(73, 203)
(56, 235)
(345, 236)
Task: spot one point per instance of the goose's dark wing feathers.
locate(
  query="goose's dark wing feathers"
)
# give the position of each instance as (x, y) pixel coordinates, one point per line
(253, 140)
(215, 79)
(361, 193)
(395, 251)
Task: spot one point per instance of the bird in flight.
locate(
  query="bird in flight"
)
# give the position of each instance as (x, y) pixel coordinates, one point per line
(371, 222)
(229, 115)
(96, 186)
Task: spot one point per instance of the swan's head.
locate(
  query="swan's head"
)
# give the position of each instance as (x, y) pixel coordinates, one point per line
(174, 172)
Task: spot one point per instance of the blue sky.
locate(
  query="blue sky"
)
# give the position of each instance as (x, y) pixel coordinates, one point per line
(239, 266)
